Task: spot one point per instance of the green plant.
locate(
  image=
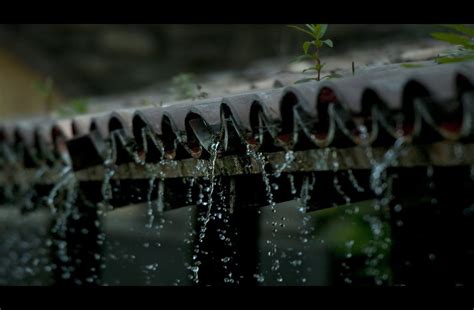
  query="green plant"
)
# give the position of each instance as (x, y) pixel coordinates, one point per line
(74, 107)
(45, 90)
(462, 38)
(313, 47)
(410, 66)
(184, 86)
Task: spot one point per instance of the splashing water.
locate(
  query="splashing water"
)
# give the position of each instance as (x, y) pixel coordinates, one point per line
(374, 252)
(379, 169)
(337, 185)
(62, 212)
(212, 166)
(364, 136)
(291, 178)
(151, 216)
(289, 159)
(380, 185)
(223, 214)
(155, 172)
(66, 177)
(261, 161)
(305, 230)
(109, 172)
(189, 195)
(431, 183)
(214, 148)
(160, 206)
(354, 181)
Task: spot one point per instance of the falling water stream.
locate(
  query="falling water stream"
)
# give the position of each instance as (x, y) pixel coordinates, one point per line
(214, 151)
(262, 161)
(109, 172)
(154, 172)
(380, 184)
(65, 191)
(354, 181)
(62, 211)
(305, 229)
(337, 185)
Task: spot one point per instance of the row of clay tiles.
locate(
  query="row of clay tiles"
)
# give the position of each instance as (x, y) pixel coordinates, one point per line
(423, 104)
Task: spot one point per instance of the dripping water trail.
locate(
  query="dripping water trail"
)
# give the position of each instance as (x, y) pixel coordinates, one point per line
(109, 172)
(380, 184)
(212, 167)
(378, 176)
(214, 150)
(305, 230)
(62, 211)
(155, 172)
(223, 214)
(289, 159)
(261, 161)
(337, 185)
(151, 216)
(354, 182)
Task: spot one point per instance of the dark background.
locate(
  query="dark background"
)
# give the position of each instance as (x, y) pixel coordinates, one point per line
(103, 59)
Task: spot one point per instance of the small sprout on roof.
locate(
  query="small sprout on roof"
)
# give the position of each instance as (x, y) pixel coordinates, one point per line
(409, 66)
(74, 107)
(184, 86)
(462, 39)
(312, 48)
(45, 90)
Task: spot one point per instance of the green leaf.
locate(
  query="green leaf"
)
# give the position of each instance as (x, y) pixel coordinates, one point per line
(301, 58)
(302, 30)
(411, 66)
(309, 69)
(328, 42)
(306, 46)
(324, 28)
(462, 28)
(317, 31)
(305, 80)
(453, 39)
(80, 106)
(44, 88)
(332, 76)
(447, 60)
(311, 27)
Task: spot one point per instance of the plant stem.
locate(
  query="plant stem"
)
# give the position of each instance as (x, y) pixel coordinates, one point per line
(318, 64)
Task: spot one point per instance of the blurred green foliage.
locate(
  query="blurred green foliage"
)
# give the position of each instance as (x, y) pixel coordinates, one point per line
(462, 37)
(74, 107)
(354, 233)
(184, 86)
(45, 90)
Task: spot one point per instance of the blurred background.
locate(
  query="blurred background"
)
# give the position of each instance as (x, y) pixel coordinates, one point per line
(63, 63)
